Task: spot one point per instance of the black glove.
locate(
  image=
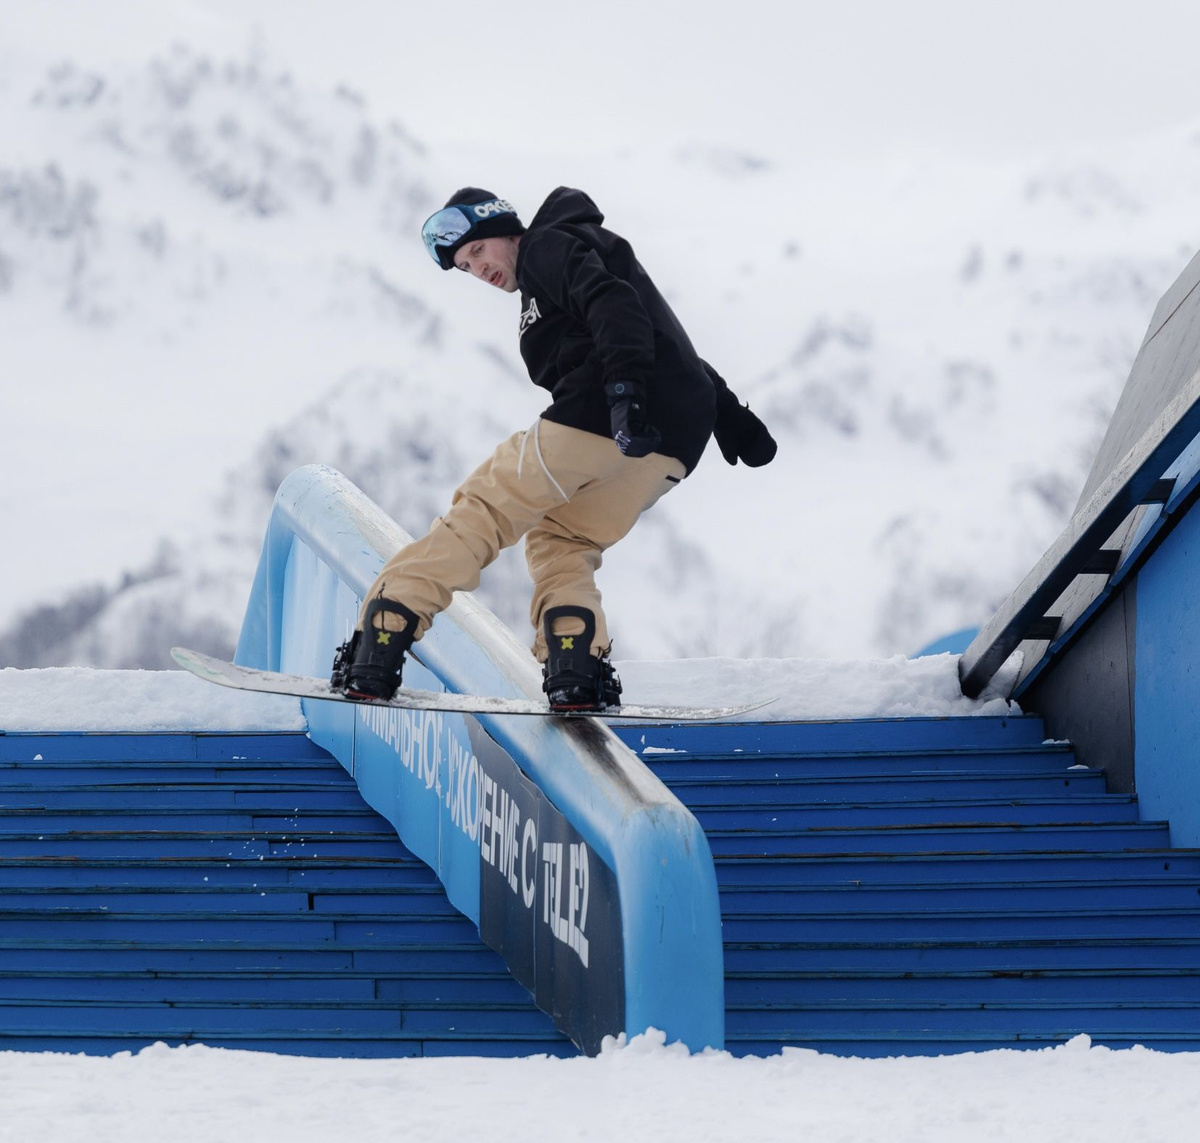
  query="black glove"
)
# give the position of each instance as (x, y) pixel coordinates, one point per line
(634, 435)
(742, 436)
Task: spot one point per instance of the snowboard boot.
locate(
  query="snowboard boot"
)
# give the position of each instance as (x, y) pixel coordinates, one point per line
(369, 665)
(574, 678)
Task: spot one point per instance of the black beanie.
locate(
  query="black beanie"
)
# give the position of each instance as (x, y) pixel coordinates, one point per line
(496, 226)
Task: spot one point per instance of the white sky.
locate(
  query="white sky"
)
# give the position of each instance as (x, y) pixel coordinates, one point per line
(779, 78)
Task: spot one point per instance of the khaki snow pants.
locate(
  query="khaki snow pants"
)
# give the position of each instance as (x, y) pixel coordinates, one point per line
(572, 494)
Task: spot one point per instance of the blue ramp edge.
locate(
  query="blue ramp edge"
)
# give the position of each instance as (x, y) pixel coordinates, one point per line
(581, 868)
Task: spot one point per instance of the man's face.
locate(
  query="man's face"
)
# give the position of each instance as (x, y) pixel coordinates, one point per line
(492, 260)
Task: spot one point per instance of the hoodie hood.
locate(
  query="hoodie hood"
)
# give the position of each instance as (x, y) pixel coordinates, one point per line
(566, 205)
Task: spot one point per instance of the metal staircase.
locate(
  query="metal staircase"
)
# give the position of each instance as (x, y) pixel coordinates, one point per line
(233, 890)
(934, 885)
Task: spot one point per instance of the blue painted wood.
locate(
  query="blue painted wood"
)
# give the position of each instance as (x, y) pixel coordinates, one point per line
(262, 1019)
(918, 898)
(868, 1045)
(694, 785)
(992, 957)
(1161, 985)
(53, 822)
(96, 747)
(214, 892)
(217, 797)
(152, 775)
(372, 1045)
(240, 902)
(773, 766)
(148, 843)
(891, 868)
(970, 892)
(964, 924)
(1062, 1019)
(786, 814)
(964, 838)
(893, 736)
(239, 957)
(925, 896)
(359, 929)
(313, 877)
(276, 986)
(1167, 684)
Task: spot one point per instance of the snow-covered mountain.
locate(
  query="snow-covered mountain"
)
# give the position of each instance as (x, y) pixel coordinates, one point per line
(210, 274)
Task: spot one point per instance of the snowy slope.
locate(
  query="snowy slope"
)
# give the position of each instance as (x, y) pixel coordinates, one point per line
(209, 274)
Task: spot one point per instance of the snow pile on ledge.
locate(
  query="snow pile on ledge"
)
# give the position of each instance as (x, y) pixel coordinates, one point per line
(818, 689)
(79, 698)
(1075, 1093)
(82, 699)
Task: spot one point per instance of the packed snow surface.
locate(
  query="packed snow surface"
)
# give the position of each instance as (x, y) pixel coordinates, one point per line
(643, 1091)
(816, 689)
(77, 698)
(83, 699)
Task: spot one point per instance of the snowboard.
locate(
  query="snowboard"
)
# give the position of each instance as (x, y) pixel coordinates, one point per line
(228, 674)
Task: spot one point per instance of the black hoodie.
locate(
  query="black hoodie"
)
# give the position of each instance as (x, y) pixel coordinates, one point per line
(590, 315)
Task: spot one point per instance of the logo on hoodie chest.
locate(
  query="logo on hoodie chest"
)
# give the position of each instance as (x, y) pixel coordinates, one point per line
(529, 316)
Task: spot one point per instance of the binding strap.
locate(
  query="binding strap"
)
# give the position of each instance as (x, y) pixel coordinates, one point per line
(569, 611)
(379, 604)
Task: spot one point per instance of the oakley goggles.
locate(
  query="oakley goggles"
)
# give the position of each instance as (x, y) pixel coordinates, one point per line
(448, 227)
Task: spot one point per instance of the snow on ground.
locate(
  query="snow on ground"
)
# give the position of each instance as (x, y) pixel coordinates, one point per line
(77, 698)
(644, 1091)
(83, 699)
(817, 689)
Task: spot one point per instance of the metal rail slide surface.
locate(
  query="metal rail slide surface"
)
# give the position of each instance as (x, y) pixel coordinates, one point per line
(1135, 482)
(1146, 474)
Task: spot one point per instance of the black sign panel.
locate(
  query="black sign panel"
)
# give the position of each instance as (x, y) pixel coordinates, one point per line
(547, 903)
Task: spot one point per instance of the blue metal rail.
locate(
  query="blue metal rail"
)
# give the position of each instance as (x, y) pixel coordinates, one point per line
(591, 879)
(1144, 480)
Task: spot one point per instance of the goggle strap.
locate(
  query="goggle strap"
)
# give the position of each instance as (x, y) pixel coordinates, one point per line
(446, 227)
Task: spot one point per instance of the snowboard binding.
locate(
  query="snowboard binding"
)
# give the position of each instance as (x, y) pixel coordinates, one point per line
(574, 678)
(370, 663)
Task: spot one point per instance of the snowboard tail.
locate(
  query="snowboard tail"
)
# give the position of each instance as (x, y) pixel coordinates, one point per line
(226, 674)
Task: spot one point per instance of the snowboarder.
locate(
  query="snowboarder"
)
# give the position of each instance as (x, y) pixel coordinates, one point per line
(633, 408)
